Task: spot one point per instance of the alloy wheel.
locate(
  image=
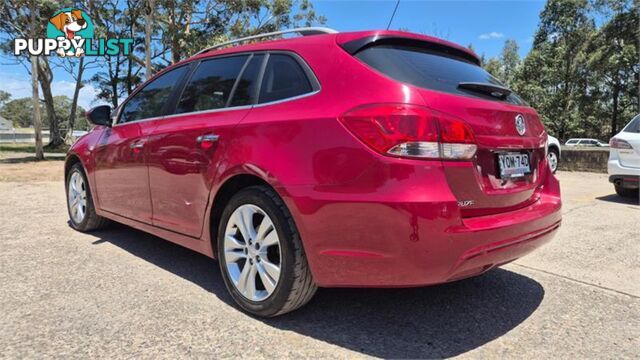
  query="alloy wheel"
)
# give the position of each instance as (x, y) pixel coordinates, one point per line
(77, 197)
(252, 252)
(553, 160)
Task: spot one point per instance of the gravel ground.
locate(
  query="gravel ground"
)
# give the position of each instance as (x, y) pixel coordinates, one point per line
(122, 293)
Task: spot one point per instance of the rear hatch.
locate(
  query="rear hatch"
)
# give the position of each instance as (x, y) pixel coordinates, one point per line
(509, 165)
(630, 155)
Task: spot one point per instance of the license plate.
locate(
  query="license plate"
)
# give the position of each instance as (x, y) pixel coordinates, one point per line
(513, 165)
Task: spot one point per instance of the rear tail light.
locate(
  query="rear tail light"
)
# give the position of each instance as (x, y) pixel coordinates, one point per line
(411, 131)
(616, 143)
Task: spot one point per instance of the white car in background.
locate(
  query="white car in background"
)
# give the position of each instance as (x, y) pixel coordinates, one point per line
(624, 159)
(553, 152)
(585, 142)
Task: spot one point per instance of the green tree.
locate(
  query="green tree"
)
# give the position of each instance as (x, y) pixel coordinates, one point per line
(506, 66)
(510, 61)
(550, 76)
(20, 22)
(612, 58)
(494, 67)
(4, 97)
(20, 111)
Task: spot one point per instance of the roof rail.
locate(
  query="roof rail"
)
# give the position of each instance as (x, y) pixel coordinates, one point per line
(302, 31)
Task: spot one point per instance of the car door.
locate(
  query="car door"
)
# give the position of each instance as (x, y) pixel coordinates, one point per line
(186, 147)
(122, 179)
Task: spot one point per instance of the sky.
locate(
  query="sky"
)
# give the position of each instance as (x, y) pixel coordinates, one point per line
(484, 23)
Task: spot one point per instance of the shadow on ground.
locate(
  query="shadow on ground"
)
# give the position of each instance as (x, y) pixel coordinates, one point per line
(614, 198)
(437, 321)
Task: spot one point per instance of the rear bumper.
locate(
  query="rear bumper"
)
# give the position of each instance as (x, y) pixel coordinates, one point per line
(625, 181)
(412, 235)
(624, 176)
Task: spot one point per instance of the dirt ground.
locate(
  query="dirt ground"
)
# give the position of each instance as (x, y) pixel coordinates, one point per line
(19, 166)
(122, 293)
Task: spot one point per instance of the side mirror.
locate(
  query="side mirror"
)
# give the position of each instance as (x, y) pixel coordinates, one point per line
(100, 115)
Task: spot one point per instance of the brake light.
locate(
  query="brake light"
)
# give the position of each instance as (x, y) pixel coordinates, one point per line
(411, 131)
(616, 143)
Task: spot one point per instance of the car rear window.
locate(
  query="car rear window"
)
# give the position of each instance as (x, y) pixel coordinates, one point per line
(634, 125)
(430, 69)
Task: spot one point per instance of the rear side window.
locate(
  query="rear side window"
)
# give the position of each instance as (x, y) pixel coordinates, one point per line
(211, 84)
(283, 78)
(430, 69)
(571, 142)
(150, 101)
(245, 92)
(634, 125)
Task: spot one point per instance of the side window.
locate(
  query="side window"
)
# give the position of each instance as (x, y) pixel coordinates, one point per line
(245, 92)
(283, 78)
(211, 84)
(149, 102)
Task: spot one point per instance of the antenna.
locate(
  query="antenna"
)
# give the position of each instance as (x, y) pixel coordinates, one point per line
(394, 14)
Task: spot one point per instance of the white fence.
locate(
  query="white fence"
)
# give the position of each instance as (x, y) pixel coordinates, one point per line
(21, 137)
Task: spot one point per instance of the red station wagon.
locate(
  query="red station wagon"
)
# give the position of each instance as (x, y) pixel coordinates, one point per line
(361, 159)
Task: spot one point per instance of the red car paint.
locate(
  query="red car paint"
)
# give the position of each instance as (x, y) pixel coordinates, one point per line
(358, 212)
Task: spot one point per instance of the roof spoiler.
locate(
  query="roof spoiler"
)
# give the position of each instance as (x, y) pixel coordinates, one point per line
(355, 46)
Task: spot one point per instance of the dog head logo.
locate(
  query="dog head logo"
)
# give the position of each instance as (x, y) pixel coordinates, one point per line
(70, 26)
(69, 22)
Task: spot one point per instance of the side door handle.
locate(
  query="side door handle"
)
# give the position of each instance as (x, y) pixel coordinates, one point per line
(207, 141)
(137, 146)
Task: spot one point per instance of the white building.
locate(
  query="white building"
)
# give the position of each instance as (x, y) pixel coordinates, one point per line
(5, 124)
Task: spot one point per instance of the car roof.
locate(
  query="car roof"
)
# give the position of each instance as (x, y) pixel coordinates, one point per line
(290, 44)
(340, 38)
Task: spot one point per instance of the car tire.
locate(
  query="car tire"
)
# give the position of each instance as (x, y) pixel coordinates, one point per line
(554, 159)
(624, 192)
(261, 209)
(83, 216)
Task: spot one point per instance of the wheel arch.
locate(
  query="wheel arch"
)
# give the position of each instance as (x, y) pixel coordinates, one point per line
(556, 148)
(71, 160)
(230, 187)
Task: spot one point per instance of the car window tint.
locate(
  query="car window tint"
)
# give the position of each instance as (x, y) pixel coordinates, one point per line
(211, 84)
(430, 70)
(634, 125)
(245, 92)
(150, 101)
(570, 142)
(283, 78)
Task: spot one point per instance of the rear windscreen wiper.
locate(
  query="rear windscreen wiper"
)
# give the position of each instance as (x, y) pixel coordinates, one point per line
(486, 88)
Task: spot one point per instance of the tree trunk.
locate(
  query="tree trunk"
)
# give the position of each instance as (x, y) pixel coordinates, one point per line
(76, 94)
(614, 112)
(46, 78)
(37, 120)
(148, 29)
(176, 49)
